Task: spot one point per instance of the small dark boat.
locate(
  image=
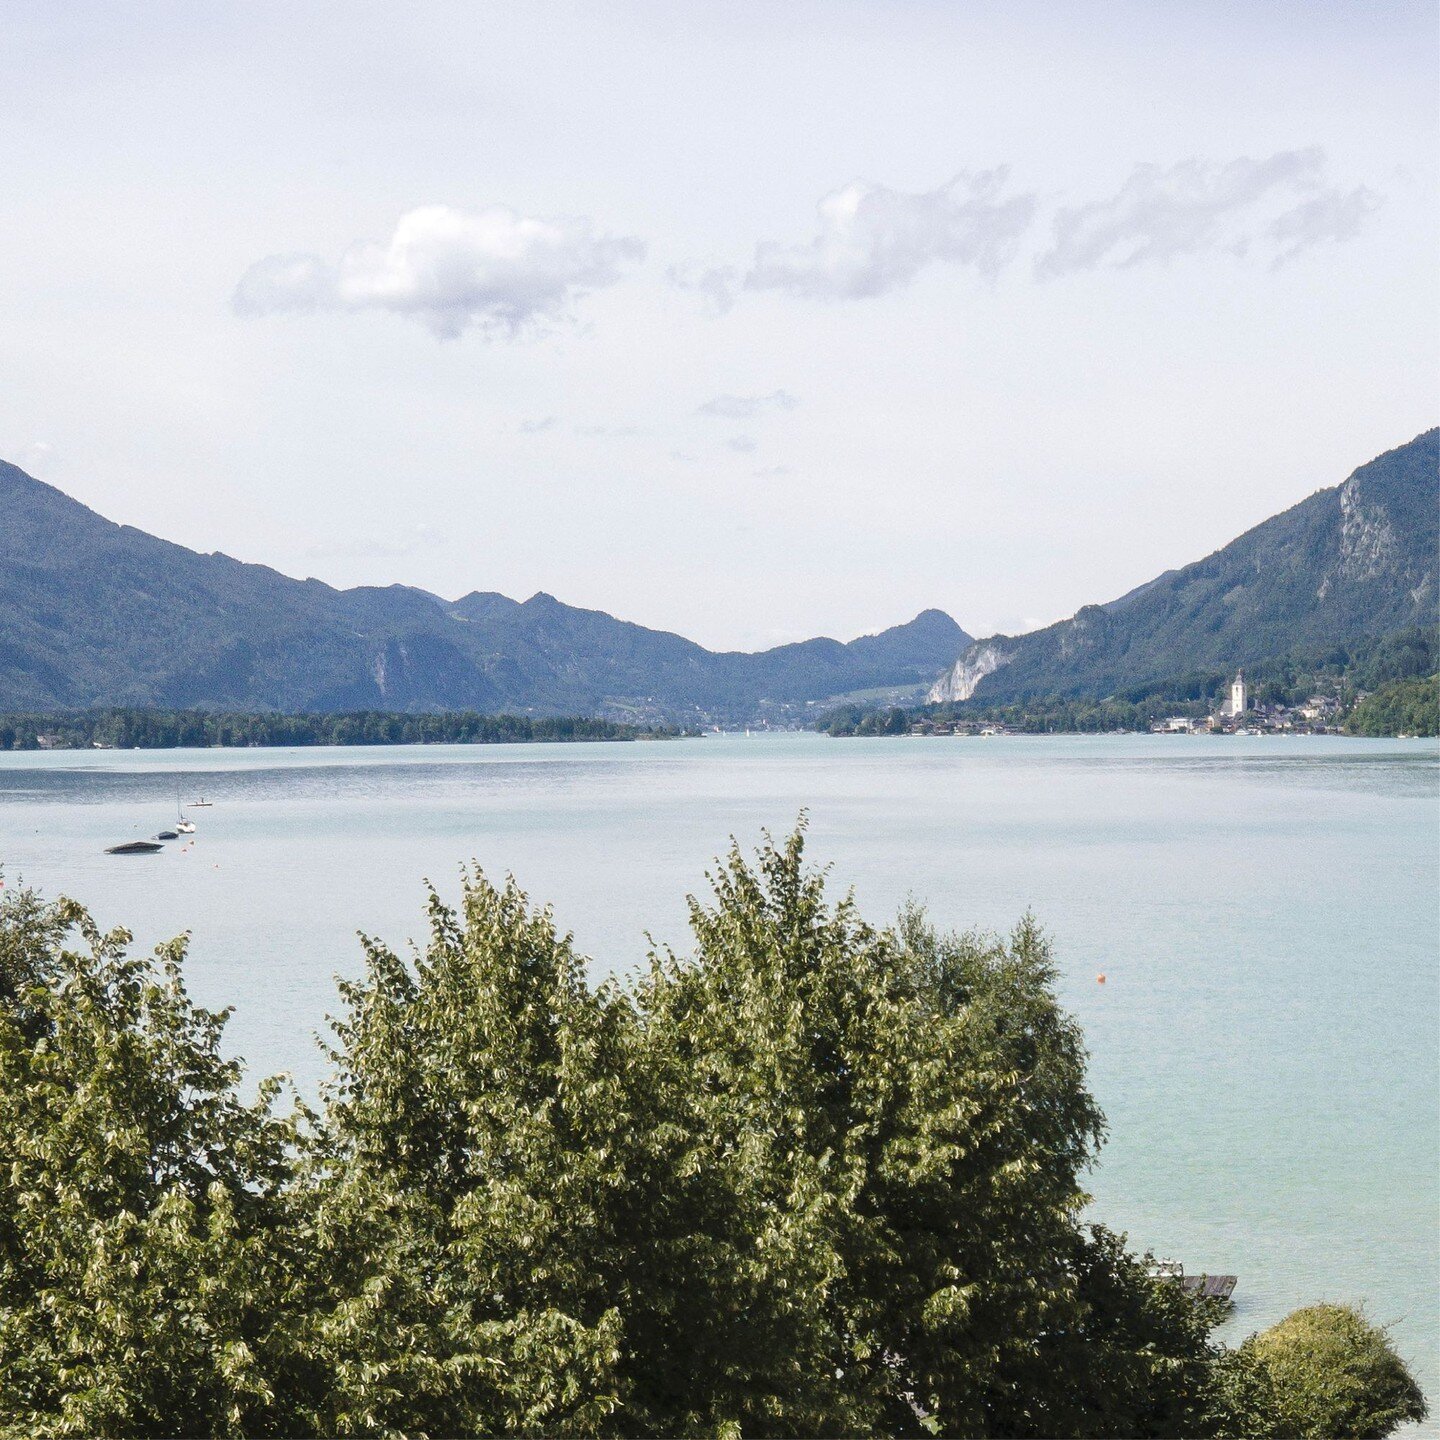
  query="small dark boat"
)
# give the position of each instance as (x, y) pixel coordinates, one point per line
(135, 847)
(166, 835)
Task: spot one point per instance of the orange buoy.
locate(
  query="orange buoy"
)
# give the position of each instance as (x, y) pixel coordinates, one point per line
(1100, 979)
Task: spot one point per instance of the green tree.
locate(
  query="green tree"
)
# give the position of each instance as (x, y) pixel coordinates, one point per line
(1335, 1374)
(814, 1178)
(145, 1245)
(1401, 707)
(475, 1210)
(885, 1131)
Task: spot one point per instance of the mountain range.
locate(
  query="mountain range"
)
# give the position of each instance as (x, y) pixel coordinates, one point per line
(93, 613)
(1356, 560)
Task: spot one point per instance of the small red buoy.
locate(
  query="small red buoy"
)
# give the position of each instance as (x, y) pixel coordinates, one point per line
(1100, 979)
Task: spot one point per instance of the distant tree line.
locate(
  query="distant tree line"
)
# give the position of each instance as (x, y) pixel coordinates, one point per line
(1027, 717)
(817, 1178)
(143, 729)
(1342, 671)
(866, 720)
(1403, 707)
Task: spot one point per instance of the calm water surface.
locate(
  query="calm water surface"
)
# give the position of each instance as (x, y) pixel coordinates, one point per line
(1265, 912)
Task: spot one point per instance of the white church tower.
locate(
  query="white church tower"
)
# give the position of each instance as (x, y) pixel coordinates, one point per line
(1239, 697)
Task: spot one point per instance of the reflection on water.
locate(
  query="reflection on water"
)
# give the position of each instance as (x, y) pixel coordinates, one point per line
(1265, 912)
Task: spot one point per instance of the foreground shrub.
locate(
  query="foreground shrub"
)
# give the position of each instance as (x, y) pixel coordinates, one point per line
(815, 1178)
(1334, 1373)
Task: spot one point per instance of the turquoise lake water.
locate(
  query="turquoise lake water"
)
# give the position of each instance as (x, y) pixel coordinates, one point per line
(1266, 1045)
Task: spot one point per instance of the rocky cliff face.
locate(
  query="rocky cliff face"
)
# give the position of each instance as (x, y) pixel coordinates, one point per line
(1367, 538)
(959, 682)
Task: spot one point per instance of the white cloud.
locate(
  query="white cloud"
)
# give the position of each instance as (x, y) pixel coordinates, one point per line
(1332, 215)
(717, 286)
(743, 407)
(742, 444)
(389, 547)
(872, 239)
(496, 270)
(1195, 206)
(36, 457)
(595, 430)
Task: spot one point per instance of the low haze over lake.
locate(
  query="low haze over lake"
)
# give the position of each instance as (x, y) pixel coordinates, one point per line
(1264, 1045)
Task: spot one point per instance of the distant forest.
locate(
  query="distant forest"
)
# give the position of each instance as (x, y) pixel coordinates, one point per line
(123, 729)
(1397, 673)
(1403, 707)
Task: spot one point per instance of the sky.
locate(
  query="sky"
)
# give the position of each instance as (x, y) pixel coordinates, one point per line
(750, 321)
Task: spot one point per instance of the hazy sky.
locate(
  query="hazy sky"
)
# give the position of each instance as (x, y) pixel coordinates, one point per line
(751, 321)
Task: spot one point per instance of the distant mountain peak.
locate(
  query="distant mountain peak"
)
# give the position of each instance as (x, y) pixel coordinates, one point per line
(95, 613)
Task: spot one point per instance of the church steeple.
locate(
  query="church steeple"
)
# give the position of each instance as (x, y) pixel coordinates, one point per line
(1239, 696)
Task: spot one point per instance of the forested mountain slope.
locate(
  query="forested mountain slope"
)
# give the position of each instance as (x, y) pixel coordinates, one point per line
(1358, 559)
(94, 613)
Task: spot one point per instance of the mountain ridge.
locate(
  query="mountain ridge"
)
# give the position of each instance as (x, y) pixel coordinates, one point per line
(94, 612)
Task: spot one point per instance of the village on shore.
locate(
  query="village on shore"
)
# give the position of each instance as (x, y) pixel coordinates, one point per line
(1237, 714)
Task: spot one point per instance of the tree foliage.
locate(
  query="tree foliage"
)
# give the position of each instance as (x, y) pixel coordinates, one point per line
(1403, 707)
(476, 1193)
(813, 1178)
(146, 1263)
(1334, 1373)
(862, 720)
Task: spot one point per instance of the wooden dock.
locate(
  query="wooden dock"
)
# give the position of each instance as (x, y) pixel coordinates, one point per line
(1204, 1287)
(1208, 1287)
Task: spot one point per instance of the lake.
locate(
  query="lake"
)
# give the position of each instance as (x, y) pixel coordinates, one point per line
(1264, 910)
